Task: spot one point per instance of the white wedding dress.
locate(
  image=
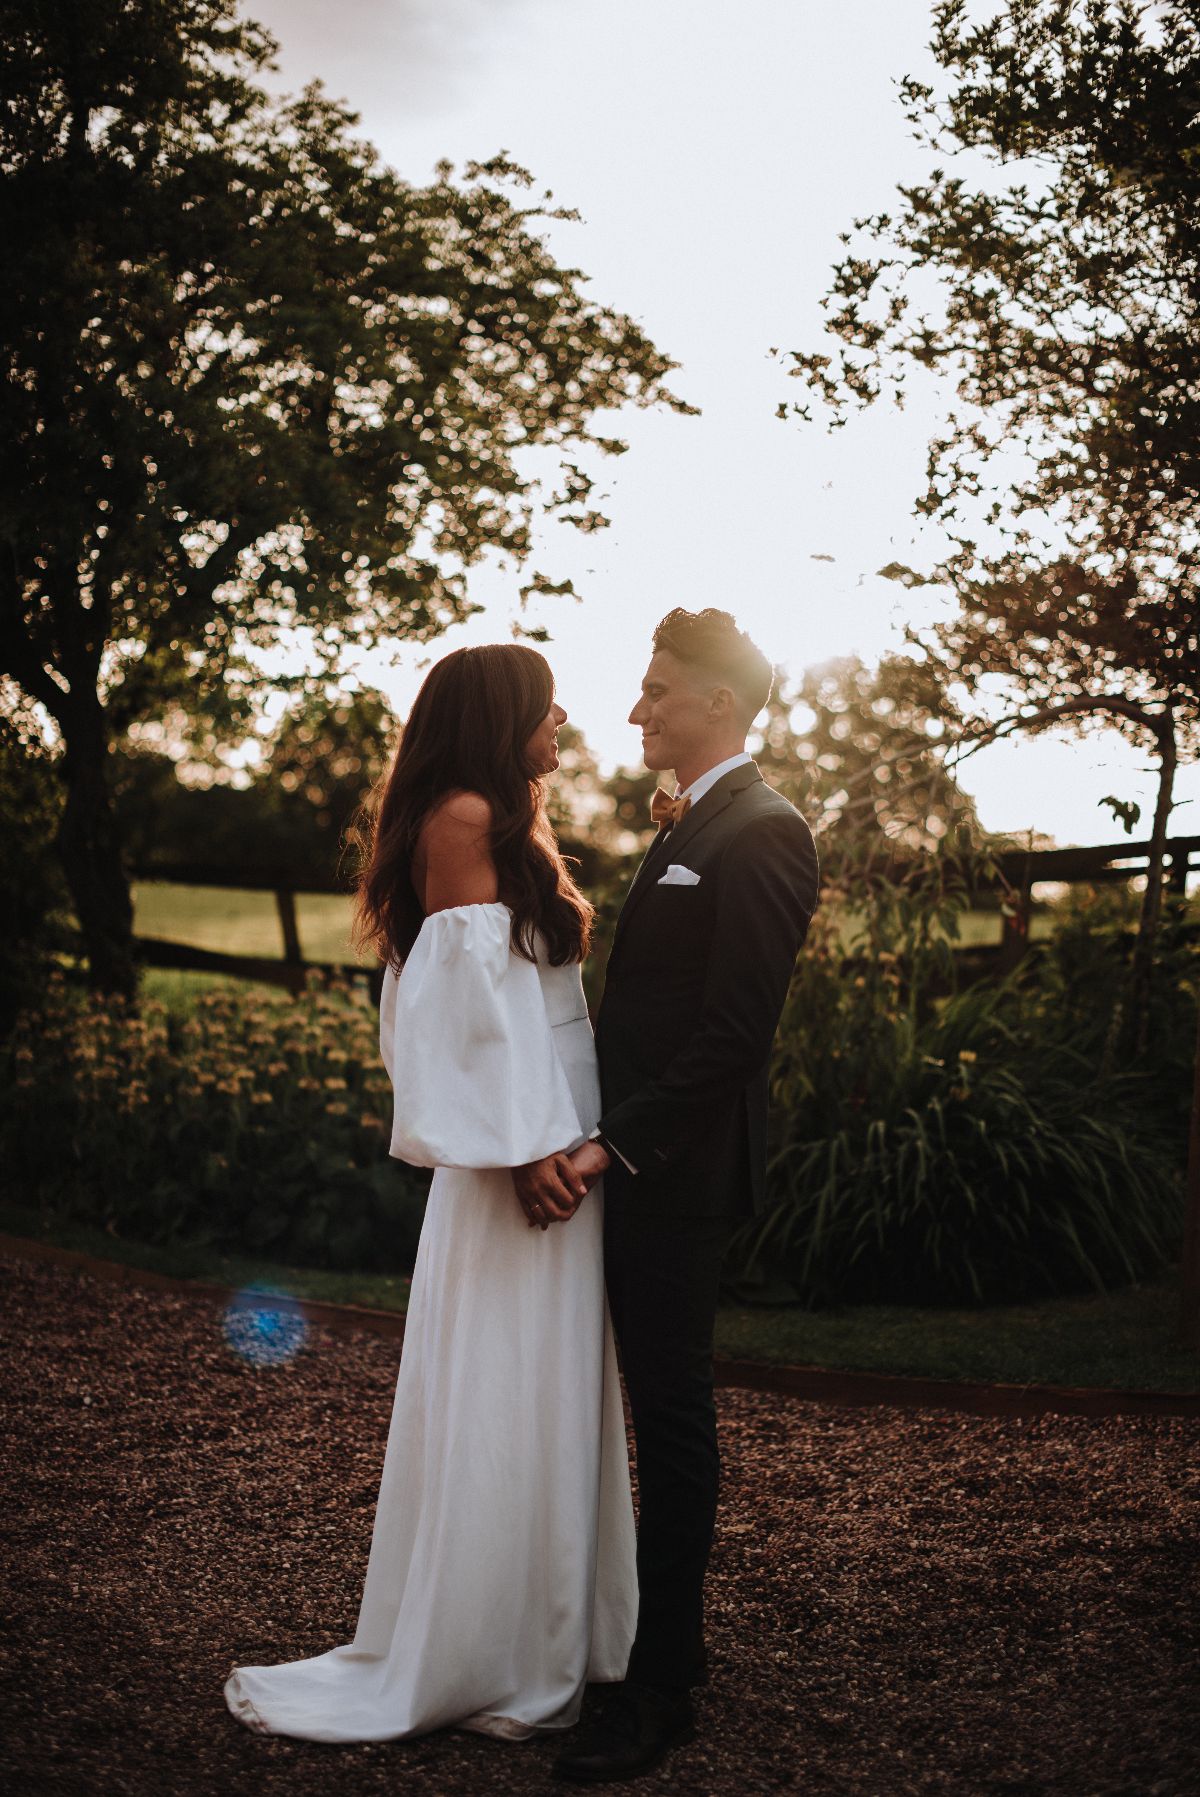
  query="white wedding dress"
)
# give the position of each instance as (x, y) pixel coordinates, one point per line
(501, 1575)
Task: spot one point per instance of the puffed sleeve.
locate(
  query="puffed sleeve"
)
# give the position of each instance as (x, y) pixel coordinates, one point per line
(468, 1046)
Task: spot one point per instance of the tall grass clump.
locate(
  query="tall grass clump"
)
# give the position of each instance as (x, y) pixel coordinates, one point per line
(934, 1145)
(248, 1121)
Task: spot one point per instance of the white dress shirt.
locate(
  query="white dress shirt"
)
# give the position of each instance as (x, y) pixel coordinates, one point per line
(696, 791)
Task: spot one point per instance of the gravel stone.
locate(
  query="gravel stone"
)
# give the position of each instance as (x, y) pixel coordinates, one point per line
(901, 1601)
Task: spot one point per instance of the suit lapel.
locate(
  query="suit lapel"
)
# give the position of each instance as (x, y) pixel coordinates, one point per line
(701, 814)
(652, 854)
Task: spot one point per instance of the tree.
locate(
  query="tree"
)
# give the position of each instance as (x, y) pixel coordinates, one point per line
(1159, 725)
(253, 382)
(863, 764)
(295, 814)
(326, 755)
(1065, 310)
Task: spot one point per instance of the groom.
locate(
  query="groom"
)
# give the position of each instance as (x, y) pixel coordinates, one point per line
(700, 964)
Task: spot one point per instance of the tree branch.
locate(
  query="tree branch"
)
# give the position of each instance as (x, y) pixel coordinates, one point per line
(1159, 723)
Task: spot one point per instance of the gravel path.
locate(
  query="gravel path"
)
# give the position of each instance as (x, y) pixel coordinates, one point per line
(901, 1601)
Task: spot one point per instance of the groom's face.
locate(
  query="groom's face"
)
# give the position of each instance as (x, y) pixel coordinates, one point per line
(674, 713)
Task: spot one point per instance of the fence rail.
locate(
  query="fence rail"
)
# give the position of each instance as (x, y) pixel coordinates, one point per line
(1106, 863)
(1021, 869)
(292, 970)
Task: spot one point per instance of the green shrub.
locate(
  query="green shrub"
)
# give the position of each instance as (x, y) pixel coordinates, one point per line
(33, 899)
(1080, 973)
(925, 1149)
(936, 1150)
(256, 1122)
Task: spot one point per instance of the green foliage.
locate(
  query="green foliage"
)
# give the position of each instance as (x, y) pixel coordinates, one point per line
(257, 1123)
(32, 896)
(327, 753)
(855, 748)
(925, 1150)
(1077, 973)
(962, 1148)
(296, 813)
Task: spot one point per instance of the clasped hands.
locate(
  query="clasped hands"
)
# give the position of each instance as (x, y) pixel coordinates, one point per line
(552, 1189)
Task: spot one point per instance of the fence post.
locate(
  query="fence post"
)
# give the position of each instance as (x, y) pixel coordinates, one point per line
(1014, 939)
(285, 904)
(1177, 877)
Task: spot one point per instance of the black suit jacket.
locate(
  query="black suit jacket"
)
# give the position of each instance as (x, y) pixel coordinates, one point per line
(696, 980)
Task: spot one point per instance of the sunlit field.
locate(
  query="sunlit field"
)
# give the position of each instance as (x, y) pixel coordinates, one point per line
(242, 923)
(247, 923)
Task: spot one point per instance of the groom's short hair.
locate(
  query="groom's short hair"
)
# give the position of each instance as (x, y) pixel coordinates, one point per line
(711, 642)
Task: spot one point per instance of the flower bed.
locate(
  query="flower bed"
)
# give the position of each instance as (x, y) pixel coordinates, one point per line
(250, 1120)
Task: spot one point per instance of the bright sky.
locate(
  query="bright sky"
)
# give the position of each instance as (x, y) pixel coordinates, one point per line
(715, 153)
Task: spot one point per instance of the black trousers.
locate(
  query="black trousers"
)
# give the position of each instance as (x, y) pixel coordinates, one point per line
(663, 1274)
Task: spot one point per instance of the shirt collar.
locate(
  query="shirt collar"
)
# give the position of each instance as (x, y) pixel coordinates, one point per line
(698, 788)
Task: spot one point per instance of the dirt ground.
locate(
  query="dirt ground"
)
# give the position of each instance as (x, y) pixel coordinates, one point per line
(901, 1601)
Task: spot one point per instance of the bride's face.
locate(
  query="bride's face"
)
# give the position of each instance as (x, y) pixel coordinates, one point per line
(542, 747)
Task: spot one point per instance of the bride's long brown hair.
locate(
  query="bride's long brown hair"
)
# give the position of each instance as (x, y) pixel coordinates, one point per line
(469, 730)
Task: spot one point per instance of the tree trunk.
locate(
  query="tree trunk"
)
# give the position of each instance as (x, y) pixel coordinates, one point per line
(90, 849)
(1142, 967)
(1189, 1312)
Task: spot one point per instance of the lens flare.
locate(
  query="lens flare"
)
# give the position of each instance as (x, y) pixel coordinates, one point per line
(265, 1326)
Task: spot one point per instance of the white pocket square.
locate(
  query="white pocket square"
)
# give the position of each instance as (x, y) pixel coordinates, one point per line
(679, 876)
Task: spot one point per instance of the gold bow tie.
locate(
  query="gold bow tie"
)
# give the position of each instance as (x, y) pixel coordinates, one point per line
(666, 810)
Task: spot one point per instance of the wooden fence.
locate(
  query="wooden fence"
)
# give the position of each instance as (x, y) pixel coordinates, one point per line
(1022, 870)
(292, 970)
(1110, 863)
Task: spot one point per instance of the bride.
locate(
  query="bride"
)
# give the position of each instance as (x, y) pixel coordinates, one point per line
(501, 1573)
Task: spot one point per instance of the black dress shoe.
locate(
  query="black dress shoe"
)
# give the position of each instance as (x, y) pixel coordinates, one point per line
(638, 1729)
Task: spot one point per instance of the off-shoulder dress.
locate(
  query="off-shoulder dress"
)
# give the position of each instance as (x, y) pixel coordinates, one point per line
(501, 1574)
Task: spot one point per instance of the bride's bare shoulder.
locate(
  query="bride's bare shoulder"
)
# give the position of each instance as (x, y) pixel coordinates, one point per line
(459, 813)
(454, 852)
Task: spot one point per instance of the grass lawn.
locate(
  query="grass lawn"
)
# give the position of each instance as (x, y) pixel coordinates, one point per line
(184, 1261)
(242, 923)
(1124, 1339)
(247, 923)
